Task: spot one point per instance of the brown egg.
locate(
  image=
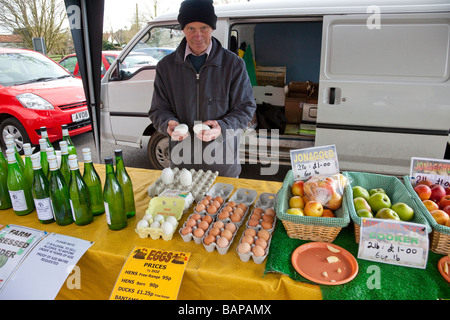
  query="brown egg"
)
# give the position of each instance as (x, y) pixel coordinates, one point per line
(191, 223)
(223, 215)
(216, 204)
(205, 202)
(196, 216)
(261, 242)
(253, 222)
(199, 232)
(203, 225)
(235, 217)
(243, 206)
(244, 247)
(266, 217)
(239, 211)
(248, 239)
(227, 209)
(258, 210)
(266, 225)
(231, 227)
(258, 251)
(219, 199)
(270, 212)
(200, 207)
(214, 231)
(211, 209)
(209, 239)
(186, 230)
(207, 218)
(250, 232)
(255, 215)
(226, 234)
(232, 204)
(222, 242)
(264, 234)
(208, 197)
(218, 224)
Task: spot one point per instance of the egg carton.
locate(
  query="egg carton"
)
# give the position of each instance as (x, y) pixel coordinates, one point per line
(247, 255)
(229, 213)
(241, 196)
(265, 202)
(198, 184)
(192, 234)
(161, 218)
(215, 244)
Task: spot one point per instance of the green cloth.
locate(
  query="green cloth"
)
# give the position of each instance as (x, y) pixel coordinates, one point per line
(396, 282)
(250, 65)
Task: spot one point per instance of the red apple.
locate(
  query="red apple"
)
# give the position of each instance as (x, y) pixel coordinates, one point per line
(430, 205)
(440, 216)
(447, 209)
(445, 201)
(437, 192)
(447, 190)
(313, 209)
(425, 182)
(423, 191)
(297, 188)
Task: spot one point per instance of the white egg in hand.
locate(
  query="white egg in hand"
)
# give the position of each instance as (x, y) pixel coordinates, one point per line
(181, 128)
(199, 127)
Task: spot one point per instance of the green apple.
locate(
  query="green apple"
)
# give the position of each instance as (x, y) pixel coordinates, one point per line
(387, 213)
(405, 212)
(376, 190)
(359, 191)
(364, 213)
(378, 201)
(361, 203)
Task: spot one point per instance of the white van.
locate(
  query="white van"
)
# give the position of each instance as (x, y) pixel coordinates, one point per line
(380, 70)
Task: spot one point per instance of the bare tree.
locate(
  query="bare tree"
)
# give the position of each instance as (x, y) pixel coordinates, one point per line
(35, 18)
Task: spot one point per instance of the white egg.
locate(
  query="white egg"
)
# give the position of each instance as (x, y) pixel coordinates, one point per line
(172, 220)
(167, 227)
(199, 127)
(148, 217)
(185, 178)
(181, 128)
(167, 176)
(155, 224)
(142, 224)
(158, 218)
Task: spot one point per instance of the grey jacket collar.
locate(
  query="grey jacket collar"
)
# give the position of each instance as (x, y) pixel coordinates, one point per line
(214, 58)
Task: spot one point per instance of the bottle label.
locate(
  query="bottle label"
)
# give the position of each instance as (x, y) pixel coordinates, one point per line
(44, 209)
(18, 200)
(108, 218)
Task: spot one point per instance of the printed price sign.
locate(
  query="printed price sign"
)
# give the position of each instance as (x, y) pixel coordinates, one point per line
(150, 274)
(393, 242)
(309, 162)
(436, 171)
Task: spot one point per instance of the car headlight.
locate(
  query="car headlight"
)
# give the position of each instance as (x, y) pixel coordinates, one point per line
(32, 101)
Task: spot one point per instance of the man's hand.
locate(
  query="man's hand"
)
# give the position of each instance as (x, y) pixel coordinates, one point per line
(175, 135)
(211, 134)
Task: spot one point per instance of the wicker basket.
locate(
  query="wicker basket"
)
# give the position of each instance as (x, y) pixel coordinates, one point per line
(308, 228)
(440, 235)
(393, 186)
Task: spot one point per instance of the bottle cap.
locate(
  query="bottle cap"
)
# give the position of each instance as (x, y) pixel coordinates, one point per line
(44, 132)
(36, 160)
(87, 155)
(108, 160)
(27, 149)
(118, 153)
(50, 151)
(43, 144)
(53, 164)
(10, 154)
(63, 147)
(73, 162)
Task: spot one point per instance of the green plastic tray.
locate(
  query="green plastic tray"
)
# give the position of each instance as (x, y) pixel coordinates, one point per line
(394, 188)
(341, 220)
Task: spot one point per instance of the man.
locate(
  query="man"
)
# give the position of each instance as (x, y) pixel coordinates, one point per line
(202, 82)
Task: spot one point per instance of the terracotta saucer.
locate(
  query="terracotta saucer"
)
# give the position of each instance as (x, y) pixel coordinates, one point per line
(310, 260)
(441, 264)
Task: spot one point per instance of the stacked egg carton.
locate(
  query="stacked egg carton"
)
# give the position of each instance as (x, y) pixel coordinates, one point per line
(197, 182)
(255, 240)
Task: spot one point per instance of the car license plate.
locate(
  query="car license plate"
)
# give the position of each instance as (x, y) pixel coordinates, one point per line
(79, 116)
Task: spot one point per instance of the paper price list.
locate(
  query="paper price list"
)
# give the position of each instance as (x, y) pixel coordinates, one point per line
(389, 252)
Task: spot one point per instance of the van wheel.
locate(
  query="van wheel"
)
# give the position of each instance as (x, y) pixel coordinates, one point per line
(158, 151)
(13, 127)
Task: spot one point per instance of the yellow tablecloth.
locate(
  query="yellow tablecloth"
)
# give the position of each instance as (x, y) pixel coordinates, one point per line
(208, 275)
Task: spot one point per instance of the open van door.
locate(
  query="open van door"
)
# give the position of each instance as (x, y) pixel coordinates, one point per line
(384, 93)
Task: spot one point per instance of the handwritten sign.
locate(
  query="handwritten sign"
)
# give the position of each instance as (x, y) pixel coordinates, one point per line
(150, 274)
(436, 171)
(309, 162)
(393, 242)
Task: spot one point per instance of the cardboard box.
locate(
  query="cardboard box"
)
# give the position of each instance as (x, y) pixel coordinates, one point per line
(271, 76)
(294, 109)
(269, 94)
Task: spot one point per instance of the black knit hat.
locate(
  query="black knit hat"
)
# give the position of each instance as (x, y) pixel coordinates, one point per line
(197, 11)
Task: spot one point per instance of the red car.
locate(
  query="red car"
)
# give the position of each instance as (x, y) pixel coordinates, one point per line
(70, 62)
(35, 91)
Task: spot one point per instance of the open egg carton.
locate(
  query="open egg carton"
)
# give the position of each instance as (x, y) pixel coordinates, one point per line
(214, 199)
(161, 218)
(237, 207)
(197, 182)
(220, 236)
(195, 227)
(255, 240)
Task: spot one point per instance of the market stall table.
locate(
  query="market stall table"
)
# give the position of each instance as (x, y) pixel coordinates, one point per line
(208, 275)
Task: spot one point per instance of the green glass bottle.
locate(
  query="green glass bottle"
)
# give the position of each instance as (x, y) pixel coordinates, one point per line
(126, 184)
(50, 157)
(59, 194)
(28, 166)
(41, 192)
(64, 166)
(3, 160)
(43, 154)
(92, 179)
(5, 200)
(66, 138)
(79, 195)
(10, 144)
(44, 135)
(113, 198)
(19, 191)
